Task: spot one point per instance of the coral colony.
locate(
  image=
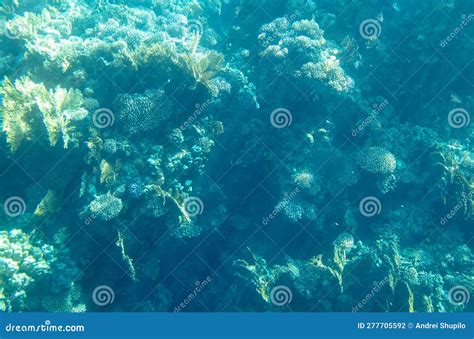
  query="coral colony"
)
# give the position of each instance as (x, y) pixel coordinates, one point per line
(236, 155)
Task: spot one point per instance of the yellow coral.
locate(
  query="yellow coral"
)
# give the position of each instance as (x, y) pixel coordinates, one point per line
(49, 204)
(17, 110)
(60, 108)
(204, 66)
(25, 104)
(107, 172)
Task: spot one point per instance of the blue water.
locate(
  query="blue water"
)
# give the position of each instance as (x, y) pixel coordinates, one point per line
(236, 155)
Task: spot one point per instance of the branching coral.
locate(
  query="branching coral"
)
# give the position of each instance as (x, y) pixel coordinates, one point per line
(204, 66)
(341, 248)
(62, 110)
(18, 105)
(174, 73)
(260, 274)
(302, 45)
(26, 264)
(26, 104)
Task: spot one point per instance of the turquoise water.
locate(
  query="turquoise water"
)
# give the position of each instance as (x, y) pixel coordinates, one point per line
(236, 155)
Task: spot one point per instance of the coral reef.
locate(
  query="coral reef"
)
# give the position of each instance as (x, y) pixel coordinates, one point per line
(302, 46)
(141, 113)
(27, 266)
(106, 206)
(377, 160)
(280, 151)
(25, 104)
